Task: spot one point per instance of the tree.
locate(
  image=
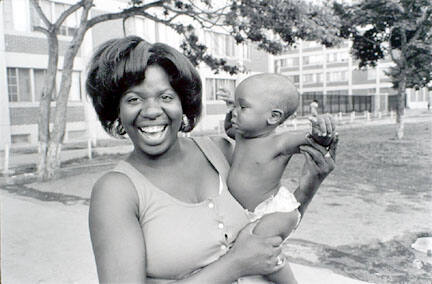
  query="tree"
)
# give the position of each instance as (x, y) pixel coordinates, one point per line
(399, 29)
(273, 24)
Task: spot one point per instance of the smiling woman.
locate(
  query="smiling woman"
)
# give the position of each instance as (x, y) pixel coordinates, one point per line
(165, 214)
(151, 112)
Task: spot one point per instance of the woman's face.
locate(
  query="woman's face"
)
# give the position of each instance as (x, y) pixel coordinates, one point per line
(151, 113)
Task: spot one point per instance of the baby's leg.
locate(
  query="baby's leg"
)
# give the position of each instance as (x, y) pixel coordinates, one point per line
(279, 224)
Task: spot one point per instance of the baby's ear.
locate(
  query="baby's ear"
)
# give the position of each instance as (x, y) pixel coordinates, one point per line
(276, 117)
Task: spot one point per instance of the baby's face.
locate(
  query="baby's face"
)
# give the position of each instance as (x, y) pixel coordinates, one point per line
(252, 108)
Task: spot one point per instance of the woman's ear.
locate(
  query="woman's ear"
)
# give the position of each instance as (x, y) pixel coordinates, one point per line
(276, 117)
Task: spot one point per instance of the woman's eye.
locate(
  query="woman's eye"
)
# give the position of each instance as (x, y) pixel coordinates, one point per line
(167, 98)
(131, 100)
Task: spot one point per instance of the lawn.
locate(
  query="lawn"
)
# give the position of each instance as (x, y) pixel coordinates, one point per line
(372, 207)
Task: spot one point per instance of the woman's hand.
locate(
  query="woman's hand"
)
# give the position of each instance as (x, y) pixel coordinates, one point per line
(319, 163)
(256, 255)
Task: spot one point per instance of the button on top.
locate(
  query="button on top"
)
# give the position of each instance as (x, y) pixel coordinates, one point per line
(220, 225)
(223, 247)
(211, 205)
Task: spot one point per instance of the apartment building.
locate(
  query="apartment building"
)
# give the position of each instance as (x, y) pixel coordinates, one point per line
(24, 57)
(331, 77)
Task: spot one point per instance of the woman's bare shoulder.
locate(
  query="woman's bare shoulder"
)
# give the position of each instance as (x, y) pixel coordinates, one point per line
(114, 187)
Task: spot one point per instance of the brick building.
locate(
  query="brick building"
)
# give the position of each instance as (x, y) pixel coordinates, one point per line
(23, 61)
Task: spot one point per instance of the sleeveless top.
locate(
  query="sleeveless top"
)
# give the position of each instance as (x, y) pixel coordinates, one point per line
(180, 237)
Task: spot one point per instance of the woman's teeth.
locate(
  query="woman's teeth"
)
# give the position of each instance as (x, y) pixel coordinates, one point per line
(152, 129)
(153, 134)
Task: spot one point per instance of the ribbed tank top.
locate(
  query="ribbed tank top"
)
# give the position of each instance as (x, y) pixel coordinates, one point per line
(181, 238)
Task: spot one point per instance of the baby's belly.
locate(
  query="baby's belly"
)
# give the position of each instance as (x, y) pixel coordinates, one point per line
(251, 189)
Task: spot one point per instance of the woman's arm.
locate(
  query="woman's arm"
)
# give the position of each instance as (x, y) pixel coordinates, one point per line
(250, 255)
(117, 239)
(319, 163)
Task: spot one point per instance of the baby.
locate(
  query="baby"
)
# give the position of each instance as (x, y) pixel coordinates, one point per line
(263, 102)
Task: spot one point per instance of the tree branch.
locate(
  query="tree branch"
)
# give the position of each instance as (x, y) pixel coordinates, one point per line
(41, 14)
(133, 11)
(425, 17)
(41, 29)
(69, 11)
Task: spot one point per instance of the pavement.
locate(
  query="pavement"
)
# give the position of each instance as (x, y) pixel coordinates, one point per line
(49, 242)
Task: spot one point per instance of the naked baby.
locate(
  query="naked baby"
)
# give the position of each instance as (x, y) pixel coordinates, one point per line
(261, 103)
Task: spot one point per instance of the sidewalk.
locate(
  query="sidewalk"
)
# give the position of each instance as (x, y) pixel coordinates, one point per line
(48, 242)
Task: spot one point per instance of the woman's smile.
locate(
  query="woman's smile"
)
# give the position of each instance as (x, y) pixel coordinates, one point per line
(153, 134)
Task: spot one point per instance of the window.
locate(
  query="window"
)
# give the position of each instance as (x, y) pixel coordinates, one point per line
(313, 60)
(289, 62)
(12, 80)
(337, 76)
(294, 78)
(220, 44)
(312, 78)
(19, 86)
(247, 51)
(39, 80)
(308, 78)
(332, 57)
(22, 87)
(52, 11)
(337, 57)
(20, 138)
(371, 74)
(213, 85)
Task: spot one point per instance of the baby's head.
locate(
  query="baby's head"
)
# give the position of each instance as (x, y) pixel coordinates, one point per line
(270, 97)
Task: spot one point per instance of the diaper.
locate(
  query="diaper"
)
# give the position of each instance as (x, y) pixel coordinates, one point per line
(283, 201)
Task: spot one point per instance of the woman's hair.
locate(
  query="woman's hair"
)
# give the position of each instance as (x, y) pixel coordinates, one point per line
(119, 64)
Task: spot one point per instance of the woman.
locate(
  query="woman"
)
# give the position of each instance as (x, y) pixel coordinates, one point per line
(165, 214)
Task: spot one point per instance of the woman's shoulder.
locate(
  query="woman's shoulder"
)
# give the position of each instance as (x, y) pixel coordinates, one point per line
(114, 186)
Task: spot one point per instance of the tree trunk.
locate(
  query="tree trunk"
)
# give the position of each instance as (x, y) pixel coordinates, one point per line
(60, 117)
(45, 105)
(400, 109)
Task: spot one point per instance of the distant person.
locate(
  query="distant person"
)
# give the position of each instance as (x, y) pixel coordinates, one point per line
(261, 103)
(314, 108)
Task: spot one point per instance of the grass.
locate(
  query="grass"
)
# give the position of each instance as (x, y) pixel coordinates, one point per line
(372, 156)
(394, 178)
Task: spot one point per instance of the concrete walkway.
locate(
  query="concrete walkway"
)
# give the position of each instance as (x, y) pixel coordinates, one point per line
(49, 242)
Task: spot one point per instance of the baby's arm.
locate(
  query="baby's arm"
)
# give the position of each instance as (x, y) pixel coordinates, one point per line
(229, 130)
(226, 96)
(289, 143)
(323, 131)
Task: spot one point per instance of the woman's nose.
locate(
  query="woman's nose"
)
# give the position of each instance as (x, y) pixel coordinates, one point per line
(151, 109)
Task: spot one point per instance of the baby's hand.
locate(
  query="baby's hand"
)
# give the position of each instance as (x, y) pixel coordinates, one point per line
(323, 129)
(226, 96)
